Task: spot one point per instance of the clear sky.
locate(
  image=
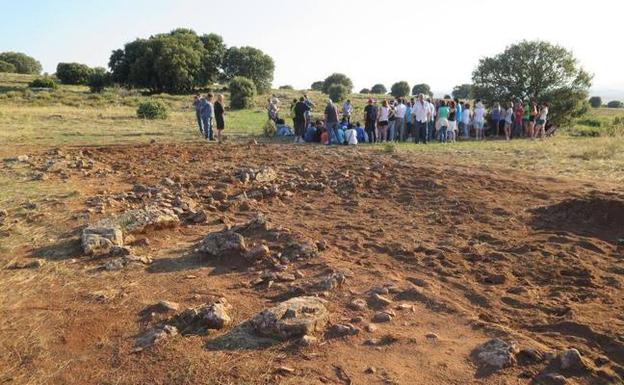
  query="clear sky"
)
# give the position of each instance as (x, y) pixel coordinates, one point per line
(372, 41)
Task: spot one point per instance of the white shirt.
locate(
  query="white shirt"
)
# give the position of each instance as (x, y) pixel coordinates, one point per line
(466, 116)
(384, 112)
(432, 110)
(399, 111)
(479, 113)
(509, 115)
(544, 113)
(351, 136)
(420, 111)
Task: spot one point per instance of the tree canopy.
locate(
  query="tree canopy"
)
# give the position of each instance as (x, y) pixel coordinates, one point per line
(23, 63)
(400, 89)
(595, 101)
(73, 73)
(379, 89)
(422, 88)
(535, 70)
(462, 91)
(317, 86)
(250, 63)
(337, 78)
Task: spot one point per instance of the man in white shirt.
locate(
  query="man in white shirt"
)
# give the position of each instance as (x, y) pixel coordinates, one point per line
(351, 135)
(347, 109)
(421, 114)
(399, 119)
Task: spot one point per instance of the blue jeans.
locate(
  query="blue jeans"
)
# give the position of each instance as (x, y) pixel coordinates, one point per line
(199, 123)
(430, 127)
(421, 132)
(391, 130)
(443, 134)
(207, 124)
(331, 132)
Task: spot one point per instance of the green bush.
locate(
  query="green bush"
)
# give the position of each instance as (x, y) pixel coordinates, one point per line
(595, 101)
(152, 109)
(379, 89)
(286, 87)
(269, 129)
(73, 73)
(590, 122)
(337, 78)
(615, 104)
(317, 86)
(43, 83)
(7, 67)
(242, 93)
(23, 63)
(98, 80)
(400, 89)
(365, 91)
(338, 92)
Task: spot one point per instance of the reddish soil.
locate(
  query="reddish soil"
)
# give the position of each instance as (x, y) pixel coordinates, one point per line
(479, 254)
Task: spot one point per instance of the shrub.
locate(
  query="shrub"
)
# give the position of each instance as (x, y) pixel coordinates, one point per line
(379, 89)
(590, 122)
(447, 97)
(269, 129)
(242, 93)
(595, 101)
(98, 80)
(286, 87)
(43, 83)
(7, 67)
(615, 104)
(152, 109)
(317, 86)
(73, 73)
(400, 89)
(338, 92)
(23, 63)
(365, 91)
(337, 78)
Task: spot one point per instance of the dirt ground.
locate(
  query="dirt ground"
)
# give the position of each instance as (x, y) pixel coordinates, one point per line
(464, 255)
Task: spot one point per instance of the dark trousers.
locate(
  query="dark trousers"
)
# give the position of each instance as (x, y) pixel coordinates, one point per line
(370, 131)
(421, 130)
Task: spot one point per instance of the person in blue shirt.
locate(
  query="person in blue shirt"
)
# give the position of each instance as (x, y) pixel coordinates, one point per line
(340, 135)
(362, 136)
(206, 111)
(409, 120)
(197, 103)
(310, 134)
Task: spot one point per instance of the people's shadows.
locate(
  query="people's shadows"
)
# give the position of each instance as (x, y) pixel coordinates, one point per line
(193, 260)
(67, 248)
(240, 337)
(597, 215)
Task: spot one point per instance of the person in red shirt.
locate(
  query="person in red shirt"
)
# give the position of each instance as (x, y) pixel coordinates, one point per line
(518, 119)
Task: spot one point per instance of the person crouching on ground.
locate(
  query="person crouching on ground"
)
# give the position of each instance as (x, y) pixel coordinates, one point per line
(206, 112)
(362, 136)
(351, 135)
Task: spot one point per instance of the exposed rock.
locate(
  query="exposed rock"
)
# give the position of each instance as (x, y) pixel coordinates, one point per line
(154, 336)
(382, 316)
(529, 356)
(371, 328)
(219, 195)
(147, 219)
(100, 239)
(379, 300)
(258, 252)
(296, 317)
(222, 242)
(322, 245)
(333, 281)
(34, 264)
(358, 304)
(285, 370)
(370, 370)
(432, 336)
(571, 360)
(197, 320)
(165, 307)
(551, 379)
(341, 330)
(197, 217)
(308, 340)
(495, 354)
(266, 174)
(123, 262)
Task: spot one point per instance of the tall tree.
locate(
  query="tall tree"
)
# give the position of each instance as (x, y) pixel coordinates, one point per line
(537, 70)
(337, 78)
(23, 63)
(462, 91)
(379, 89)
(251, 63)
(422, 88)
(400, 89)
(213, 58)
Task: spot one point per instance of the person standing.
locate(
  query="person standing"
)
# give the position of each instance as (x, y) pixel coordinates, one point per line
(207, 112)
(533, 119)
(310, 105)
(466, 117)
(399, 120)
(452, 121)
(509, 117)
(331, 120)
(347, 110)
(197, 102)
(494, 118)
(370, 120)
(479, 116)
(518, 119)
(383, 121)
(300, 110)
(541, 122)
(273, 110)
(421, 114)
(442, 123)
(219, 112)
(409, 120)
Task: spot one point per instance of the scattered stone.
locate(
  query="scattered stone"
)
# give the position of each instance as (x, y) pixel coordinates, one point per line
(432, 336)
(357, 320)
(298, 274)
(197, 217)
(285, 370)
(322, 245)
(147, 219)
(222, 242)
(357, 304)
(100, 239)
(285, 277)
(602, 361)
(296, 317)
(371, 328)
(308, 340)
(342, 330)
(168, 182)
(495, 279)
(405, 306)
(380, 300)
(166, 307)
(495, 354)
(141, 242)
(572, 360)
(266, 174)
(123, 262)
(551, 379)
(197, 320)
(529, 356)
(370, 370)
(258, 252)
(34, 264)
(385, 340)
(382, 316)
(154, 336)
(333, 281)
(219, 195)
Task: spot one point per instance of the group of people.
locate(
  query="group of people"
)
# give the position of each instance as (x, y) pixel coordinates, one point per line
(206, 111)
(419, 119)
